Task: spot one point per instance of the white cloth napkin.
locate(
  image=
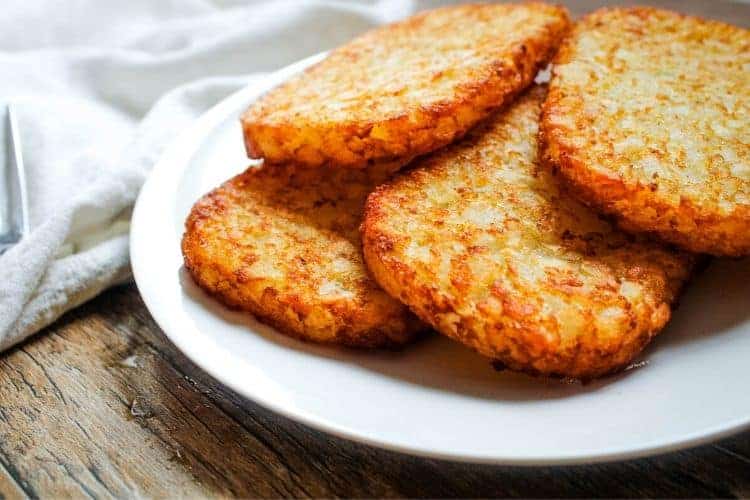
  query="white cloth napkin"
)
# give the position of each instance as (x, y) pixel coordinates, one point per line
(101, 87)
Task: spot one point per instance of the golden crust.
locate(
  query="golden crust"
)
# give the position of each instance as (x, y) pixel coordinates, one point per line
(648, 120)
(283, 244)
(481, 243)
(405, 89)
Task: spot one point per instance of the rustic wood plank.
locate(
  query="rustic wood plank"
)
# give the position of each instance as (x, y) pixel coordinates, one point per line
(121, 428)
(10, 488)
(102, 405)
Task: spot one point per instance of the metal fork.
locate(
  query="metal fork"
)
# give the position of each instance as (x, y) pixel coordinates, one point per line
(14, 212)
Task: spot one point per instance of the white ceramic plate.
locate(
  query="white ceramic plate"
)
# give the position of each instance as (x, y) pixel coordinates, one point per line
(437, 398)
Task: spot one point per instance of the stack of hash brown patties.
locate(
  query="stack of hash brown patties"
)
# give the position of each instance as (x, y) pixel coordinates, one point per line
(548, 229)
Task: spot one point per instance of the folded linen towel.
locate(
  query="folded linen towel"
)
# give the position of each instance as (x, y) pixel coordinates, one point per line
(101, 87)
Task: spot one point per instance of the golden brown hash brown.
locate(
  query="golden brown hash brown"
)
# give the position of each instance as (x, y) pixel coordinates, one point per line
(648, 120)
(405, 89)
(283, 245)
(481, 243)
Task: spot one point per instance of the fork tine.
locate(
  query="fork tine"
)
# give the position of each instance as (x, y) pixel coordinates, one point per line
(20, 201)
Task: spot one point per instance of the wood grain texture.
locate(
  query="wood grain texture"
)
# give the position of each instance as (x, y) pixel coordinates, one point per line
(102, 405)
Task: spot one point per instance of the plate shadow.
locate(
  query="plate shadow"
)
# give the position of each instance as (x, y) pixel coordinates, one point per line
(434, 362)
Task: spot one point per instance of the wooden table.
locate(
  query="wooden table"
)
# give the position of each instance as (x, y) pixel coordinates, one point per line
(101, 404)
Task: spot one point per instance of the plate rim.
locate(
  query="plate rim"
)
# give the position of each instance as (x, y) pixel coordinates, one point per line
(139, 252)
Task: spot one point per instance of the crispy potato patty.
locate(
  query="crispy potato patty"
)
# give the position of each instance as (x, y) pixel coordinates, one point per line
(648, 120)
(283, 244)
(481, 243)
(405, 89)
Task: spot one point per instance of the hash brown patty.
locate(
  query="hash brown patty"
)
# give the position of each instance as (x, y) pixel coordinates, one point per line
(405, 89)
(648, 120)
(482, 244)
(283, 244)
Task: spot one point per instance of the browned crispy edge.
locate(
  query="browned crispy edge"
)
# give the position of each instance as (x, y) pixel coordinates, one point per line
(476, 101)
(634, 207)
(272, 309)
(591, 358)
